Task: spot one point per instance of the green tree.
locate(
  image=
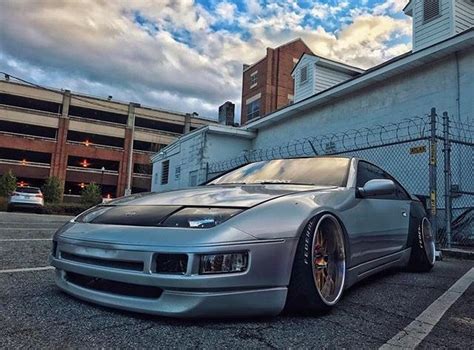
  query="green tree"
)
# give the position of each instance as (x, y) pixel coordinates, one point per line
(7, 183)
(52, 190)
(91, 195)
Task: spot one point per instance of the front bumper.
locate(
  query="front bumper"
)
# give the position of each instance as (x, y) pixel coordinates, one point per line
(260, 290)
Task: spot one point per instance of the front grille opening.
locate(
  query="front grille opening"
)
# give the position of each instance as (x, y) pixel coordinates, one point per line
(54, 248)
(171, 263)
(116, 264)
(113, 287)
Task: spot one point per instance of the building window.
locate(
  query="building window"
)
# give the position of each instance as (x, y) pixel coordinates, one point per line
(253, 79)
(165, 170)
(253, 109)
(431, 10)
(303, 75)
(177, 172)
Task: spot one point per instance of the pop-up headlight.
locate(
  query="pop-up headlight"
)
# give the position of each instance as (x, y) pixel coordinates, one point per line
(90, 214)
(200, 217)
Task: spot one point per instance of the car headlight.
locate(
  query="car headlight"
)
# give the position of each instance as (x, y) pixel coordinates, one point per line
(200, 217)
(90, 214)
(223, 263)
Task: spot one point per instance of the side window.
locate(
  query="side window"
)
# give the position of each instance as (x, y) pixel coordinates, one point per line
(367, 172)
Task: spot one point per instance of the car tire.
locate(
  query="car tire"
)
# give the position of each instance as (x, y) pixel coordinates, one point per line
(39, 211)
(422, 256)
(9, 208)
(319, 269)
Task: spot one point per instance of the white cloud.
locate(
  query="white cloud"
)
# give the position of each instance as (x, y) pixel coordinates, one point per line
(168, 53)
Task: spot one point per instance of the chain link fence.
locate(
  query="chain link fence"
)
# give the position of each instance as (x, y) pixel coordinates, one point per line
(431, 155)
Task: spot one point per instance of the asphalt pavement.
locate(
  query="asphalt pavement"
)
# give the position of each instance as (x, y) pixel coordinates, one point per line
(35, 314)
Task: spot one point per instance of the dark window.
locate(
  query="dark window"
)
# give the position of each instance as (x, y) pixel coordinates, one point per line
(431, 9)
(324, 171)
(95, 114)
(253, 109)
(159, 125)
(27, 129)
(147, 146)
(24, 156)
(94, 139)
(92, 163)
(367, 172)
(30, 103)
(165, 171)
(142, 169)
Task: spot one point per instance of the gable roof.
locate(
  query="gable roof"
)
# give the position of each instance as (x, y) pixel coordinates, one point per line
(326, 62)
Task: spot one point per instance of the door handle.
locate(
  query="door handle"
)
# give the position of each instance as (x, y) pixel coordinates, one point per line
(404, 213)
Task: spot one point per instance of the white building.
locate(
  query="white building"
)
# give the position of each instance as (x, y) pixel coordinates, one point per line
(438, 72)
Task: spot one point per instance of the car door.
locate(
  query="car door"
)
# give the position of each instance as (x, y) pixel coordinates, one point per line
(380, 222)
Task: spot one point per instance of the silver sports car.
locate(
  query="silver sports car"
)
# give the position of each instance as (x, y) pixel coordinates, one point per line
(282, 234)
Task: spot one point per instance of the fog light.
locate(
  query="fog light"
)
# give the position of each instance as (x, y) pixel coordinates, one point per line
(224, 263)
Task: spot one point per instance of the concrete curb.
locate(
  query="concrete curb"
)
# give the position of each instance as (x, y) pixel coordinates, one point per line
(458, 253)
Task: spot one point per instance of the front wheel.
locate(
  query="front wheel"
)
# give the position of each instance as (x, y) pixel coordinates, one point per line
(423, 257)
(319, 269)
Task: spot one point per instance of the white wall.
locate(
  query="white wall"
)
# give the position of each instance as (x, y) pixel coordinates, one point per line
(191, 154)
(324, 78)
(464, 15)
(433, 31)
(306, 89)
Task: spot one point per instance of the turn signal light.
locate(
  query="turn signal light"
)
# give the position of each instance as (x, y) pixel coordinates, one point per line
(224, 263)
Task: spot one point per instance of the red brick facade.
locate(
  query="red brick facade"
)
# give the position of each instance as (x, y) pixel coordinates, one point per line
(274, 82)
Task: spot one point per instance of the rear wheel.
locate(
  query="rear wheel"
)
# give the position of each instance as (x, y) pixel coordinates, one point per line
(319, 269)
(423, 257)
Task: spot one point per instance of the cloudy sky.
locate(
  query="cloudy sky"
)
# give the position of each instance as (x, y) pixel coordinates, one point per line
(184, 55)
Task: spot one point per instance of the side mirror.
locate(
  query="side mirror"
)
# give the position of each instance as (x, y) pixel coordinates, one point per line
(377, 187)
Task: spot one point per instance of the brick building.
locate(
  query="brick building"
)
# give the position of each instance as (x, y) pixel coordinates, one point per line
(267, 85)
(82, 139)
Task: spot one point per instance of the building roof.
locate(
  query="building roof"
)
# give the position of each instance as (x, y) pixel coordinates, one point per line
(326, 62)
(386, 70)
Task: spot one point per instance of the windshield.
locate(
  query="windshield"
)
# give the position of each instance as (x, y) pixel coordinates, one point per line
(303, 171)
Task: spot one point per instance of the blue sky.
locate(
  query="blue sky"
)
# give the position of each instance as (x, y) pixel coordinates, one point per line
(185, 55)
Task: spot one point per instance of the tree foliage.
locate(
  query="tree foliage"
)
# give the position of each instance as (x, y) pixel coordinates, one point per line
(91, 195)
(7, 183)
(52, 190)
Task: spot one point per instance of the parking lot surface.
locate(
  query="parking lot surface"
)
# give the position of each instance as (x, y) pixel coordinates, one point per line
(34, 313)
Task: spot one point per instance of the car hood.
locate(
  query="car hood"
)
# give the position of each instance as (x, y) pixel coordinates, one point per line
(225, 196)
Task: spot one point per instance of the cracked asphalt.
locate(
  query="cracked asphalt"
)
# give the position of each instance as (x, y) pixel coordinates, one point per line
(35, 314)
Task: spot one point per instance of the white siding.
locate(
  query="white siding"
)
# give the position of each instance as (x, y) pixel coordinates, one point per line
(464, 16)
(306, 89)
(326, 78)
(436, 30)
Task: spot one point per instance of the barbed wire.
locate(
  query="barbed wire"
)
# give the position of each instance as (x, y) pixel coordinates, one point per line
(335, 143)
